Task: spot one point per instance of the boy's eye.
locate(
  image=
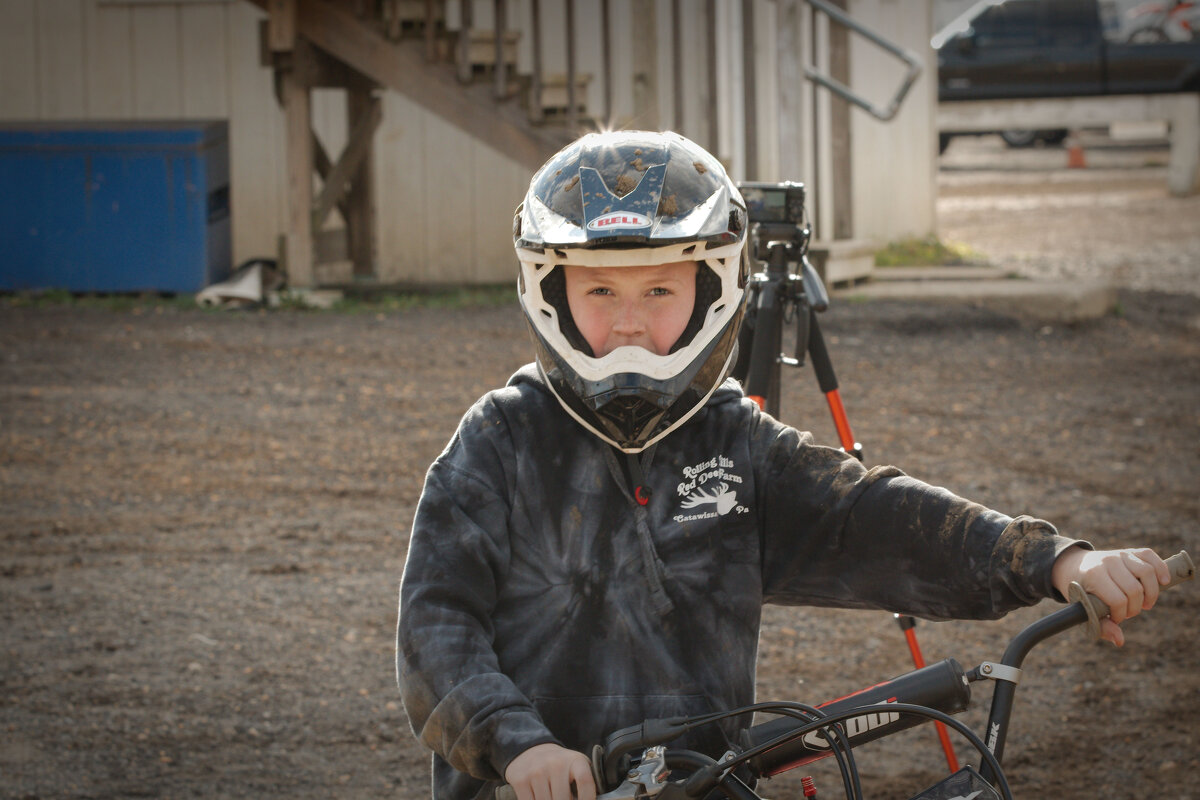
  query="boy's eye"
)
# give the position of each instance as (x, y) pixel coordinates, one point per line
(659, 290)
(602, 290)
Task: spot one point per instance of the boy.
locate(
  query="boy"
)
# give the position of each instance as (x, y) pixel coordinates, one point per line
(594, 545)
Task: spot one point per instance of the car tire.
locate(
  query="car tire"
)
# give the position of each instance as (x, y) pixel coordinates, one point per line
(1019, 138)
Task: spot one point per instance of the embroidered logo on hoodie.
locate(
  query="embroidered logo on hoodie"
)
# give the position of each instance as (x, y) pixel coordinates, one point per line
(709, 483)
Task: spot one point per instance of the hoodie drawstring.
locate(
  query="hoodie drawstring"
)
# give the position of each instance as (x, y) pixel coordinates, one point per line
(656, 571)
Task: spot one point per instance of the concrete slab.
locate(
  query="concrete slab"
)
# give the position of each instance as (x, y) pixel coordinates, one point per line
(1049, 301)
(937, 273)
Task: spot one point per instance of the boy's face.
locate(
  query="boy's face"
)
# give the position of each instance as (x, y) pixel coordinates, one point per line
(643, 306)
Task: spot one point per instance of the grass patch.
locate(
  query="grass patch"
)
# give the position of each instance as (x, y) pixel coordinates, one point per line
(121, 302)
(927, 252)
(377, 302)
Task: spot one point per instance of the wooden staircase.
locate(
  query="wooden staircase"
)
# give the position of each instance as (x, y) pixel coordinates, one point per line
(467, 77)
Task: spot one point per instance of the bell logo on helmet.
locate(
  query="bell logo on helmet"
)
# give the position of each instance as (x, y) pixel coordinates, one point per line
(619, 219)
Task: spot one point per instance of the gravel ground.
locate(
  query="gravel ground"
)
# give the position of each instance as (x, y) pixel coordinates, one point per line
(206, 513)
(1114, 221)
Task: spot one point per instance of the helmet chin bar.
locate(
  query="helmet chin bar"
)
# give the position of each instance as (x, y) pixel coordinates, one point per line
(627, 410)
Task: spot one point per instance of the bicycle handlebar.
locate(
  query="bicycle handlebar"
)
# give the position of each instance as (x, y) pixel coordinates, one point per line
(1181, 567)
(788, 742)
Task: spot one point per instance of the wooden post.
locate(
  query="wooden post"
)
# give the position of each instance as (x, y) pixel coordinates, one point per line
(501, 66)
(298, 241)
(677, 87)
(714, 124)
(362, 104)
(606, 57)
(790, 69)
(430, 33)
(749, 90)
(536, 113)
(464, 40)
(645, 65)
(841, 179)
(572, 101)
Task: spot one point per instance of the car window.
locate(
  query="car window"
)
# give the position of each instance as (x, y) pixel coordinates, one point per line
(1071, 23)
(1013, 24)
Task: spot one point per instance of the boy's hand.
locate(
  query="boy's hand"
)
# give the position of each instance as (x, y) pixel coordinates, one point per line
(1126, 580)
(550, 772)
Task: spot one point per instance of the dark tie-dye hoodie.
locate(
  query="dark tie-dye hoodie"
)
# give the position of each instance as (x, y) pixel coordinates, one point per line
(541, 603)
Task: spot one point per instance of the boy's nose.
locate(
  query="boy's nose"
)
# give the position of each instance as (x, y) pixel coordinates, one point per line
(629, 321)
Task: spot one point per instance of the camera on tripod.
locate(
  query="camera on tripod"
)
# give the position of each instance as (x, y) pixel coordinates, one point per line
(777, 216)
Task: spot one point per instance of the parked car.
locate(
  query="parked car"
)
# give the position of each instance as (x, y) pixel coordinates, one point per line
(1016, 49)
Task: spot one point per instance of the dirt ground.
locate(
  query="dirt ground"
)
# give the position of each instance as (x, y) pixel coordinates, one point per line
(205, 513)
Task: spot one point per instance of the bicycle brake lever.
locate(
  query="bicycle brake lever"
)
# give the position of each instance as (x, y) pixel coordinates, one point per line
(1182, 569)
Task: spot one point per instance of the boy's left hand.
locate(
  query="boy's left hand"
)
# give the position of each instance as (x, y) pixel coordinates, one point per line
(1126, 580)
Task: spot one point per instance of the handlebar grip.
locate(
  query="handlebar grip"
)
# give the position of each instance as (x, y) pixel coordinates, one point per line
(506, 792)
(1181, 567)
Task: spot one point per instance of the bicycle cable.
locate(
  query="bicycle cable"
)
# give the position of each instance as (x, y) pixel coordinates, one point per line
(852, 787)
(835, 735)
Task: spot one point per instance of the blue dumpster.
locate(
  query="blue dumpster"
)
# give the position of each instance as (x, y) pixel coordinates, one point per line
(114, 206)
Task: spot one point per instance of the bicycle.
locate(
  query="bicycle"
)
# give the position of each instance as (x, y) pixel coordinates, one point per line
(634, 763)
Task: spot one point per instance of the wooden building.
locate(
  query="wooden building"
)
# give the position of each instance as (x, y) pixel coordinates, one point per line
(451, 139)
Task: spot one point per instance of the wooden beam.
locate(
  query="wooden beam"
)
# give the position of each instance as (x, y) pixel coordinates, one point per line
(348, 162)
(324, 166)
(281, 25)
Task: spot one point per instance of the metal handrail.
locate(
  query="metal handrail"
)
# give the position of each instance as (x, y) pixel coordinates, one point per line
(884, 113)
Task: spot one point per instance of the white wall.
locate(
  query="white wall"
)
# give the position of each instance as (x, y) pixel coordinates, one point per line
(895, 162)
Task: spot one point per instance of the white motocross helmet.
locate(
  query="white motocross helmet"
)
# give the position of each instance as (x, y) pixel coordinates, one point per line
(632, 198)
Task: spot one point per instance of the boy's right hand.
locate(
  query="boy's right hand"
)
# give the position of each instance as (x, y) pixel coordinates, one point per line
(550, 772)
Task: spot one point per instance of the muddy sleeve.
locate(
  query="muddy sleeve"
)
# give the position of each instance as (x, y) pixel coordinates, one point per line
(460, 703)
(838, 534)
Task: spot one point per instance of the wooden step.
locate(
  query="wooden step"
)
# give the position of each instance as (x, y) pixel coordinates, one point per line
(554, 98)
(481, 48)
